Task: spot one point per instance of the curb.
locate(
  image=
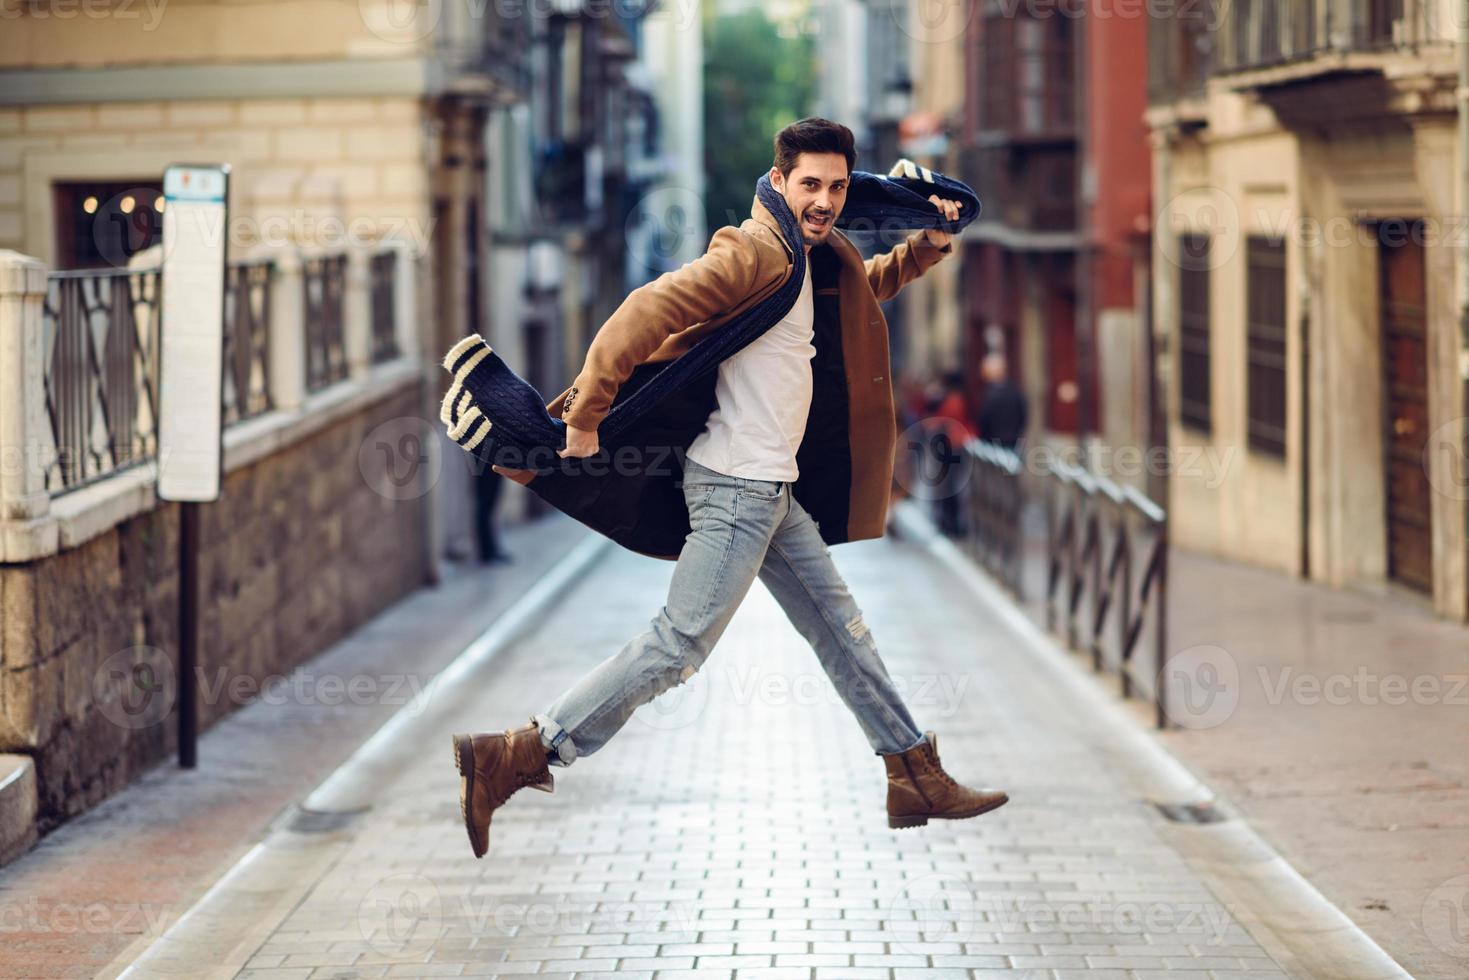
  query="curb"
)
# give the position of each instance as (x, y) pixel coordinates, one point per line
(1308, 936)
(225, 926)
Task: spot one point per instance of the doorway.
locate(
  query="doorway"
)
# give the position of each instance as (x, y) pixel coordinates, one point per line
(1404, 318)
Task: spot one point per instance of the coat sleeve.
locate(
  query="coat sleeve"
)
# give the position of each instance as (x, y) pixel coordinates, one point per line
(680, 298)
(891, 271)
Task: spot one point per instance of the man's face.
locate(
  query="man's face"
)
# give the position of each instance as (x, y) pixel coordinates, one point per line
(816, 191)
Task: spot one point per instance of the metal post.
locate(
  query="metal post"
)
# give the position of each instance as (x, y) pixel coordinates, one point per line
(1160, 637)
(1124, 608)
(188, 634)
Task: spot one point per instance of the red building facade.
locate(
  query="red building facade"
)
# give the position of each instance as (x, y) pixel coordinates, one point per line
(1055, 144)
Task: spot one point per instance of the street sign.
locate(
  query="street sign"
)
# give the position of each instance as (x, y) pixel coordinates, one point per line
(191, 383)
(191, 375)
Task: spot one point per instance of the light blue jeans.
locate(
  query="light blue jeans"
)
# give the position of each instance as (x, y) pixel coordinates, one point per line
(740, 528)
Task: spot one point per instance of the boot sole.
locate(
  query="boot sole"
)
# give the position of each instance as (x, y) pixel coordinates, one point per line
(919, 820)
(464, 762)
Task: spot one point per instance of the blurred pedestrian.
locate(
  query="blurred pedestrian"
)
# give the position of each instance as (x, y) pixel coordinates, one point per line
(956, 429)
(954, 407)
(1003, 412)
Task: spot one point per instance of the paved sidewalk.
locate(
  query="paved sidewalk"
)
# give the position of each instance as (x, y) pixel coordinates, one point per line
(1340, 729)
(1318, 735)
(123, 872)
(736, 827)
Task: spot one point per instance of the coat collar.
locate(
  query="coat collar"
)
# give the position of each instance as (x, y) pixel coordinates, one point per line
(760, 213)
(838, 241)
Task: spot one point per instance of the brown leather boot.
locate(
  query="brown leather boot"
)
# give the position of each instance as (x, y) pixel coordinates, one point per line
(918, 788)
(493, 766)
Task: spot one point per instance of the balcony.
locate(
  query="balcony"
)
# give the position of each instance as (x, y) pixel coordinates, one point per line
(1181, 55)
(488, 60)
(1028, 194)
(1265, 42)
(1027, 80)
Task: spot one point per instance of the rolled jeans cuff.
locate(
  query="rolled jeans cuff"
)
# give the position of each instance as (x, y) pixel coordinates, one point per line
(557, 740)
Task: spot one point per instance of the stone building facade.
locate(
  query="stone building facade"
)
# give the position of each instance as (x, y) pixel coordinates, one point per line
(1311, 200)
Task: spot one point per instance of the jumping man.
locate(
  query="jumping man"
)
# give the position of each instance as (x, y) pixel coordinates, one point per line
(815, 385)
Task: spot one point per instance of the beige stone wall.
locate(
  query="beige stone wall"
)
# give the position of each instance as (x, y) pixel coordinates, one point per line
(298, 551)
(1244, 505)
(313, 171)
(74, 34)
(1245, 175)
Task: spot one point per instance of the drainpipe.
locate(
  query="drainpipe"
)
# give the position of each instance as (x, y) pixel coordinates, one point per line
(1463, 268)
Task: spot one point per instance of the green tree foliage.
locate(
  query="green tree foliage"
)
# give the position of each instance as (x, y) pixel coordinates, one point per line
(755, 82)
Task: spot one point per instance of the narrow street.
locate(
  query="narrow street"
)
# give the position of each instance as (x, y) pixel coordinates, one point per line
(735, 827)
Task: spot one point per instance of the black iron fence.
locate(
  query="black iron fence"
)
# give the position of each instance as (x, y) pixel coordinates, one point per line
(247, 340)
(382, 282)
(100, 356)
(1105, 554)
(993, 503)
(324, 282)
(1096, 530)
(100, 349)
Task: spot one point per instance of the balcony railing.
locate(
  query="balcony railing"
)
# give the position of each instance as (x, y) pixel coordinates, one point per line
(1182, 51)
(1032, 189)
(495, 49)
(1192, 41)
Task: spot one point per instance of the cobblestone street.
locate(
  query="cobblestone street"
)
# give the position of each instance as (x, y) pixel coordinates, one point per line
(736, 826)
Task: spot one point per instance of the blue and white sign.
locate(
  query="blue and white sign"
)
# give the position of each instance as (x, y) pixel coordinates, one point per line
(202, 184)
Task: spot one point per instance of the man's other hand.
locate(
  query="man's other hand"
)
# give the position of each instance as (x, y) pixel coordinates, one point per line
(951, 213)
(579, 443)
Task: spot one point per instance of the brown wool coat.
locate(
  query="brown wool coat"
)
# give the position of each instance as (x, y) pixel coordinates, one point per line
(846, 454)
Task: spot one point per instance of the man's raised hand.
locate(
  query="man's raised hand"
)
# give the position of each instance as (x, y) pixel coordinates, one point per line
(951, 213)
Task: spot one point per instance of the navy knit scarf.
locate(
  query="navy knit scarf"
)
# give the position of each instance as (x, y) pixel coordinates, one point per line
(499, 417)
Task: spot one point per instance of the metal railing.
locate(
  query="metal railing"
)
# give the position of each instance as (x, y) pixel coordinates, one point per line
(1190, 42)
(100, 352)
(1094, 529)
(324, 283)
(247, 340)
(993, 504)
(382, 283)
(100, 356)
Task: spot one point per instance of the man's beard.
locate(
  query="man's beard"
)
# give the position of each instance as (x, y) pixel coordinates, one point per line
(825, 233)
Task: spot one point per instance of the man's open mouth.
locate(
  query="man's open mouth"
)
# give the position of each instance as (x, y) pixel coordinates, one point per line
(819, 222)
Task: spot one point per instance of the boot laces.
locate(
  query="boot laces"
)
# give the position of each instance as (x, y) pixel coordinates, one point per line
(938, 768)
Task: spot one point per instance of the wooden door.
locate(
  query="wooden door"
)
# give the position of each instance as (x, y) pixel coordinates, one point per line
(1405, 403)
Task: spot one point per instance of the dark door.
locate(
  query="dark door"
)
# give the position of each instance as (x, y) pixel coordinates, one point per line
(1405, 403)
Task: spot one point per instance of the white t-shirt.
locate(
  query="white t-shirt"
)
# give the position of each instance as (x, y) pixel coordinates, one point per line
(764, 397)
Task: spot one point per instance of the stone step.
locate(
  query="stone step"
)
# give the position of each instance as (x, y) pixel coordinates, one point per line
(17, 806)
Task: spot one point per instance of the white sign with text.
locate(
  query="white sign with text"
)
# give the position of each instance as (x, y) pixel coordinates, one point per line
(191, 381)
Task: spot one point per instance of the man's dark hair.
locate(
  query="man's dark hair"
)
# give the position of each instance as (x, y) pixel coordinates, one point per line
(813, 135)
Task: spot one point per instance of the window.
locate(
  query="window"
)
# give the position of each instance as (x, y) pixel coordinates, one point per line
(101, 224)
(1026, 69)
(1265, 337)
(1194, 387)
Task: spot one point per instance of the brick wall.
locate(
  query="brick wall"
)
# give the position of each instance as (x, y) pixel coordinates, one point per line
(298, 551)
